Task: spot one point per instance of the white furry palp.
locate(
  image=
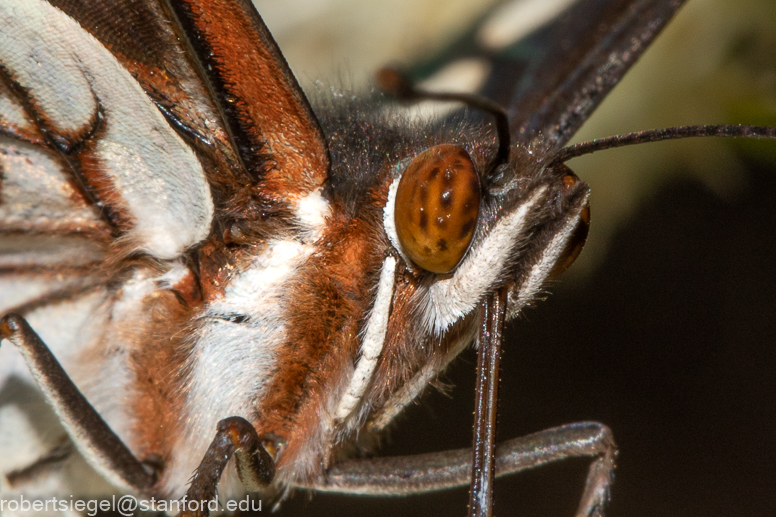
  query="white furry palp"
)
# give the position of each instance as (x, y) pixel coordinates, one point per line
(372, 342)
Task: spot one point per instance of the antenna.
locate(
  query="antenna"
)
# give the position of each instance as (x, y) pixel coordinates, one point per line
(656, 135)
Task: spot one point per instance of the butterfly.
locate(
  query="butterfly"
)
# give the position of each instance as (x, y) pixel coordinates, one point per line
(250, 213)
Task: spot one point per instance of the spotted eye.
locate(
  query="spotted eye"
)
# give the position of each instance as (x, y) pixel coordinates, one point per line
(578, 237)
(437, 203)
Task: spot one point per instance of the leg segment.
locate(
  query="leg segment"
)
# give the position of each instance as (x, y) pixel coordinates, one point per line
(91, 435)
(408, 475)
(256, 468)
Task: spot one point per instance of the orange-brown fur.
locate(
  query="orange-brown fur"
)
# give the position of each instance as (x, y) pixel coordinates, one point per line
(157, 401)
(270, 113)
(329, 299)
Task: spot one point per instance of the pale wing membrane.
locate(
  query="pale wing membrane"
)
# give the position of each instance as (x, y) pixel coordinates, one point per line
(144, 38)
(37, 195)
(104, 129)
(50, 235)
(259, 127)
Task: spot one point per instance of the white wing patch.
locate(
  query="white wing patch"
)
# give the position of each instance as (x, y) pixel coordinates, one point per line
(19, 289)
(511, 21)
(12, 112)
(42, 251)
(35, 195)
(372, 343)
(78, 87)
(463, 75)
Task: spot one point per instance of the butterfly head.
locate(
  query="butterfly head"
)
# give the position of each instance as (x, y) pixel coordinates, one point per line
(465, 232)
(371, 284)
(456, 221)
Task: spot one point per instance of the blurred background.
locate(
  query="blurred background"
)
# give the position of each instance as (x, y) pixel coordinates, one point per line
(664, 329)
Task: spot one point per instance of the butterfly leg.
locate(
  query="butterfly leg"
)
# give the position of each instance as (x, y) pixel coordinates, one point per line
(407, 475)
(256, 468)
(103, 450)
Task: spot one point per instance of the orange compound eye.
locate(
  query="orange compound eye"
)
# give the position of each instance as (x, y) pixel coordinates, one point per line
(437, 203)
(578, 237)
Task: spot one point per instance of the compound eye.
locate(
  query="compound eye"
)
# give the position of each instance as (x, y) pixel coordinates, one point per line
(578, 237)
(437, 203)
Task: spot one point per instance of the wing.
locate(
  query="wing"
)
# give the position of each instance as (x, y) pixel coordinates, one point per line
(113, 134)
(552, 78)
(131, 133)
(85, 112)
(215, 69)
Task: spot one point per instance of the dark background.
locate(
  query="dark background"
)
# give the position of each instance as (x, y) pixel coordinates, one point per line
(670, 342)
